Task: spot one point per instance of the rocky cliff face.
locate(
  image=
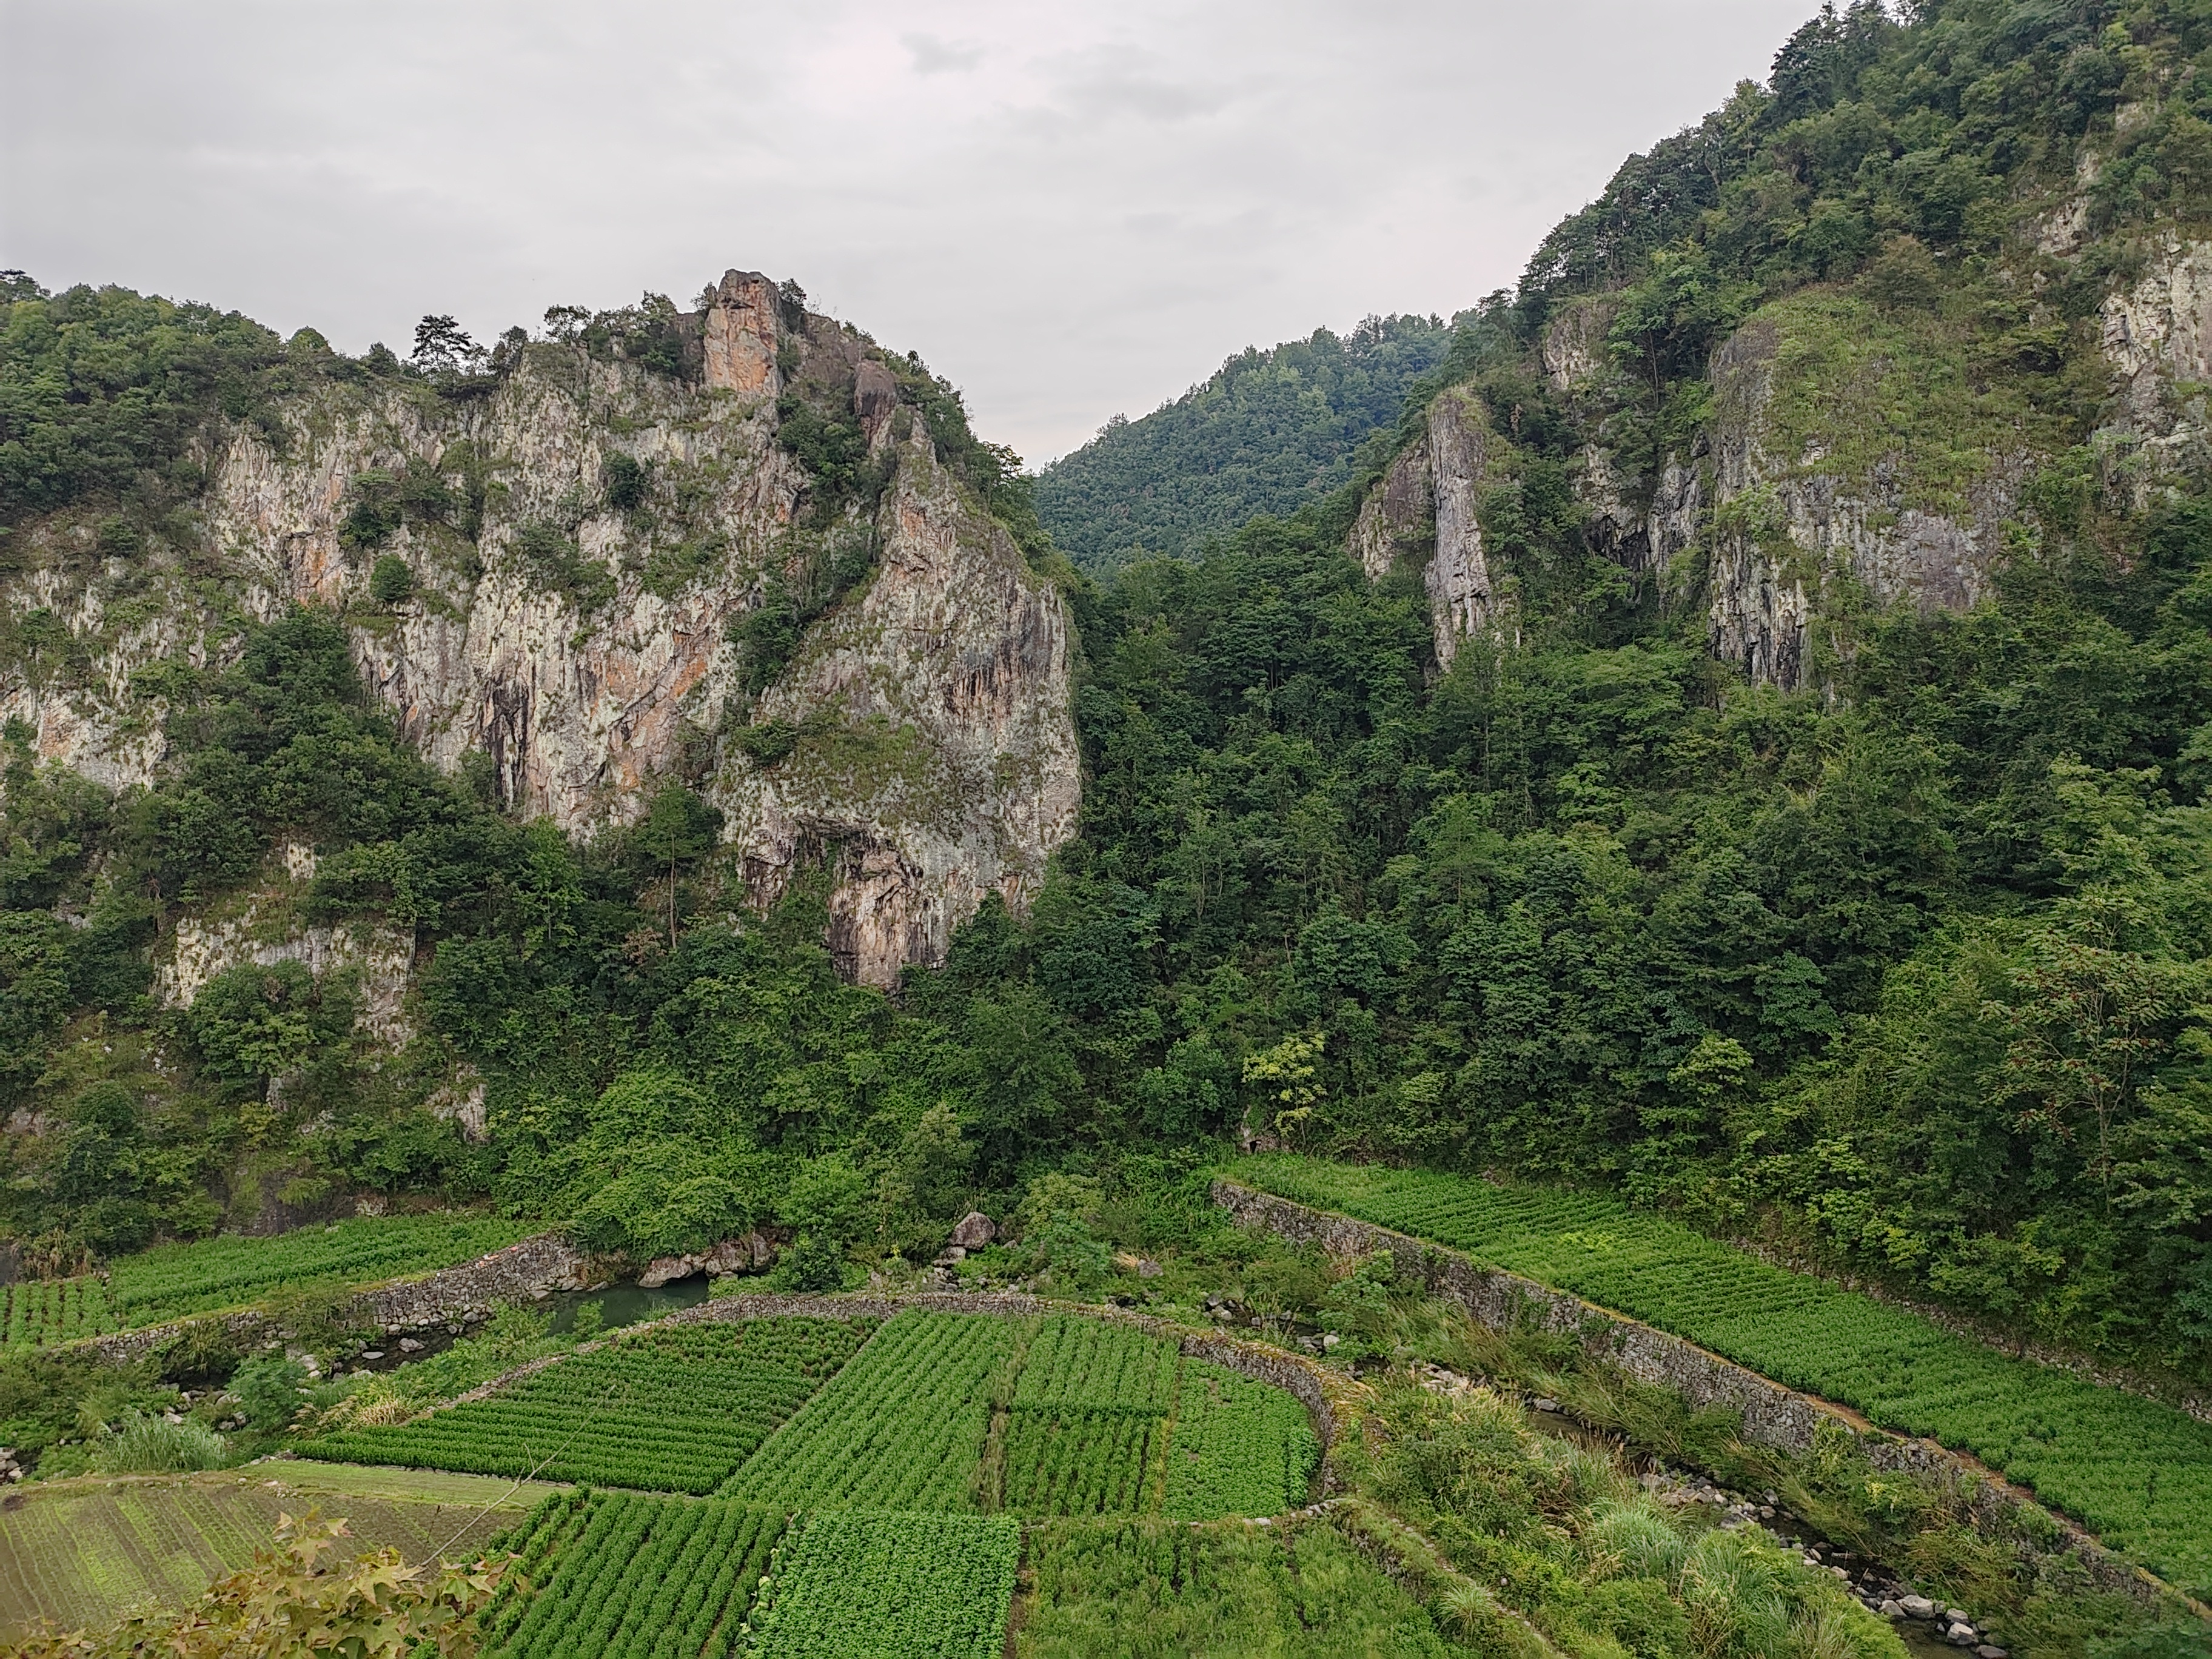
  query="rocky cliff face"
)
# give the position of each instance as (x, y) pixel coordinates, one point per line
(1425, 505)
(2157, 336)
(589, 651)
(1770, 515)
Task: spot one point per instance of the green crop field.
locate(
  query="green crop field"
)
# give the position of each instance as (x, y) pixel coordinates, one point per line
(630, 1576)
(1238, 1446)
(858, 1586)
(906, 1455)
(2138, 1473)
(675, 1408)
(901, 1426)
(83, 1553)
(174, 1281)
(1159, 1588)
(947, 1413)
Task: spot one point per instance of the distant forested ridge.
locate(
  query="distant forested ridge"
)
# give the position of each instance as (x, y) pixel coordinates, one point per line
(1269, 432)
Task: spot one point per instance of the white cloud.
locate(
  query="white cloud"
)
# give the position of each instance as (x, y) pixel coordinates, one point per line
(1068, 209)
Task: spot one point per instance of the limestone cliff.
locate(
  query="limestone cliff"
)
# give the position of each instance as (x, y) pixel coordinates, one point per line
(591, 650)
(1426, 504)
(1847, 456)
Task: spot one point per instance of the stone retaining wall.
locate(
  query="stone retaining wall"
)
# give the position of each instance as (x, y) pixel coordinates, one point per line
(1773, 1415)
(517, 1273)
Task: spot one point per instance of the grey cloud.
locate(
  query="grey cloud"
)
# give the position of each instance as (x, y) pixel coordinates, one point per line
(1068, 209)
(934, 56)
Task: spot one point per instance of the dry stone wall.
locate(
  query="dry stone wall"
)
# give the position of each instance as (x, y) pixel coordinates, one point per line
(1773, 1415)
(520, 1273)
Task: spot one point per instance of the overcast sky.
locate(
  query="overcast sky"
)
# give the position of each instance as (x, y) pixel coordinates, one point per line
(1070, 209)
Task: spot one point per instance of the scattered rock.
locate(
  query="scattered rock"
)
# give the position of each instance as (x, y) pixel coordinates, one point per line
(1329, 1340)
(666, 1270)
(1148, 1268)
(1957, 1616)
(950, 1254)
(975, 1232)
(1961, 1636)
(1917, 1607)
(1990, 1650)
(376, 1353)
(1891, 1610)
(1547, 1405)
(409, 1345)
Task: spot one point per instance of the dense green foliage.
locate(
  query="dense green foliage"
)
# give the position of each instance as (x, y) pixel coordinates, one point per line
(849, 1586)
(101, 391)
(630, 1576)
(1159, 1590)
(2138, 1472)
(1269, 432)
(676, 1409)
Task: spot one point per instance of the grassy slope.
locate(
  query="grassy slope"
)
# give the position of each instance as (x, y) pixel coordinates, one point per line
(2137, 1471)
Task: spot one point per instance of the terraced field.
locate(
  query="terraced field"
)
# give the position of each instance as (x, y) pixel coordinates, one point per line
(866, 1479)
(675, 1409)
(2138, 1473)
(174, 1281)
(86, 1552)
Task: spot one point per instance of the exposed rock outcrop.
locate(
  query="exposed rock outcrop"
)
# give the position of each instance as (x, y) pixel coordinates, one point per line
(588, 650)
(1796, 525)
(2157, 336)
(1427, 502)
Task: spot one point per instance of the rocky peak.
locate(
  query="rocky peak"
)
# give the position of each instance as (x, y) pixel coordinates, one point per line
(738, 332)
(917, 739)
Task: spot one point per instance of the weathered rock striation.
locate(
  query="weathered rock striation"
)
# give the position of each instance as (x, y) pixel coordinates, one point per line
(1427, 504)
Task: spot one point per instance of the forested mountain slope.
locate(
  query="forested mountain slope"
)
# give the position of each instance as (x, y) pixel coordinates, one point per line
(1269, 432)
(1740, 741)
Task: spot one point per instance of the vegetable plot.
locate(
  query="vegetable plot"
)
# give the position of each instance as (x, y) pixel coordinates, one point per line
(901, 1427)
(1098, 1366)
(1238, 1446)
(860, 1586)
(2137, 1471)
(630, 1576)
(57, 1311)
(1158, 1587)
(1087, 1418)
(172, 1281)
(1073, 1462)
(675, 1409)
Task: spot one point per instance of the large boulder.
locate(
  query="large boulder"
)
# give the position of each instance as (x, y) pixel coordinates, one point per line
(975, 1232)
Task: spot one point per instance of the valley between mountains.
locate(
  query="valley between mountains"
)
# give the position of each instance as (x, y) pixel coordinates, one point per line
(1532, 983)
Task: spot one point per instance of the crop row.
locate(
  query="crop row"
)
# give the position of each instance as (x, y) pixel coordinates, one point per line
(172, 1281)
(41, 1310)
(676, 1409)
(1156, 1586)
(1237, 1447)
(1089, 1365)
(859, 1586)
(2137, 1471)
(901, 1426)
(630, 1576)
(1079, 1463)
